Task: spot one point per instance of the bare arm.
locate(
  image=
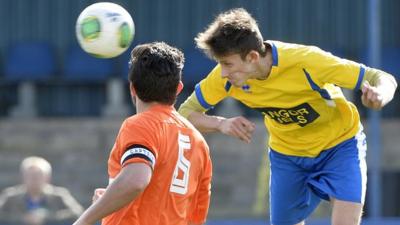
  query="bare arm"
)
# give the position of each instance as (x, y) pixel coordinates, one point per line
(206, 123)
(378, 88)
(132, 180)
(238, 127)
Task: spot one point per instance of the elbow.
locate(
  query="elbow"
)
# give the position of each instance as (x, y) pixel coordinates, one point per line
(134, 178)
(131, 186)
(136, 186)
(140, 186)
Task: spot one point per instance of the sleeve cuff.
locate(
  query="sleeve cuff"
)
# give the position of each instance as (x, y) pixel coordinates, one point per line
(360, 77)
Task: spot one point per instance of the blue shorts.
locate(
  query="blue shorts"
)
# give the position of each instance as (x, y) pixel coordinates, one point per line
(297, 184)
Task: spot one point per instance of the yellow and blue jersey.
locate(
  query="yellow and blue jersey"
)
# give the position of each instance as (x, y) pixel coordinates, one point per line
(305, 110)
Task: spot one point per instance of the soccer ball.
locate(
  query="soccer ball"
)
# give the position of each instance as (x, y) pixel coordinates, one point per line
(105, 30)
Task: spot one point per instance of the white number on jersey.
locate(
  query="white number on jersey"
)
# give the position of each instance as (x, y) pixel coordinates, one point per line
(180, 178)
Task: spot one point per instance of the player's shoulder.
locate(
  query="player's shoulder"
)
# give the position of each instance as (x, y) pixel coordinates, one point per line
(290, 54)
(56, 190)
(280, 45)
(196, 134)
(13, 191)
(190, 126)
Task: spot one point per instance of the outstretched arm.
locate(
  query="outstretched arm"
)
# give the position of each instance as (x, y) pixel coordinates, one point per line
(378, 88)
(238, 127)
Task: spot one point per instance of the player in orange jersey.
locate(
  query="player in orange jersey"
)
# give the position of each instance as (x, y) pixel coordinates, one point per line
(160, 167)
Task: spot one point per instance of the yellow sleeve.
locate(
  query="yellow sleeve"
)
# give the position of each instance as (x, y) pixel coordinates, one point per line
(190, 105)
(327, 68)
(207, 93)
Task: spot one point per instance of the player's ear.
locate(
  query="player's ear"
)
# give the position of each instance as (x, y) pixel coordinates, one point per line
(253, 56)
(132, 89)
(48, 178)
(180, 88)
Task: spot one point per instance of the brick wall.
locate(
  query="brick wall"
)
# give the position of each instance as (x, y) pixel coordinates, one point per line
(78, 150)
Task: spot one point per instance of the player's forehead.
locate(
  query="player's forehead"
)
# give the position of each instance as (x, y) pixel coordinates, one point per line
(231, 58)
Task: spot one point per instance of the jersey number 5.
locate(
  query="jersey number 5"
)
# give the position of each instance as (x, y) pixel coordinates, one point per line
(180, 178)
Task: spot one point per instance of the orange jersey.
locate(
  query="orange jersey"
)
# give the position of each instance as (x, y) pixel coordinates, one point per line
(179, 190)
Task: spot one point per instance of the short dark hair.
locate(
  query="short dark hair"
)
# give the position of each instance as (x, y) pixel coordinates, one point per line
(155, 72)
(232, 32)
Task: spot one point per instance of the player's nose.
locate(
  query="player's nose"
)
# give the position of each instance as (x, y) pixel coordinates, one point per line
(224, 73)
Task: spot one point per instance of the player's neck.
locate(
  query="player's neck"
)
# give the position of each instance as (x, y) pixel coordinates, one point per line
(143, 106)
(35, 195)
(265, 65)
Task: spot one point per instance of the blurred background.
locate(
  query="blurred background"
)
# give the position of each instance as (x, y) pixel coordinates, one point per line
(66, 106)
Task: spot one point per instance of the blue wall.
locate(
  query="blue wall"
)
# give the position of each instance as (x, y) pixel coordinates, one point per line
(338, 26)
(329, 23)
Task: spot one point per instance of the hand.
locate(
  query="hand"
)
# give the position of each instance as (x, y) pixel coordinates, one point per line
(98, 192)
(371, 96)
(238, 127)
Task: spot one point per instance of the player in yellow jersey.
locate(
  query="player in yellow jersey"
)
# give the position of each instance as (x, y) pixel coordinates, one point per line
(316, 147)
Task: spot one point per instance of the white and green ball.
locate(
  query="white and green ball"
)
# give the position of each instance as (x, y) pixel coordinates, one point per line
(105, 30)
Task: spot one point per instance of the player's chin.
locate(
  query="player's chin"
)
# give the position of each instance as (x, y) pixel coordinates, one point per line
(236, 83)
(376, 106)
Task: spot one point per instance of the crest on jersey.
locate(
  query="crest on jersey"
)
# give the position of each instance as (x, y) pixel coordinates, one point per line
(246, 88)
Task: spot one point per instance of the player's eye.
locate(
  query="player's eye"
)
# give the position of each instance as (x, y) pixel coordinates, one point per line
(227, 64)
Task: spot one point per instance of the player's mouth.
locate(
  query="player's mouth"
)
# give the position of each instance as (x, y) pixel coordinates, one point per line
(235, 83)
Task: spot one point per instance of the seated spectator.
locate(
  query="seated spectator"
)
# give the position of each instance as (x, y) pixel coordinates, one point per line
(36, 201)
